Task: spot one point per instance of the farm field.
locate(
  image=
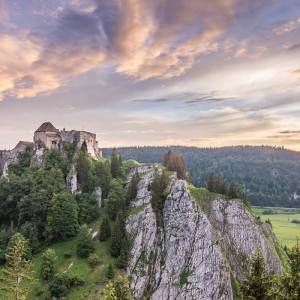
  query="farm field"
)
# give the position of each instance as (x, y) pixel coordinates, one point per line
(281, 219)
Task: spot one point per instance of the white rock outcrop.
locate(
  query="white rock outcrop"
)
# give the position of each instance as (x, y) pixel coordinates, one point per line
(189, 254)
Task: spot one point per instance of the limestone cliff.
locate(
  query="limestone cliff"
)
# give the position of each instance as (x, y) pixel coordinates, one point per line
(196, 252)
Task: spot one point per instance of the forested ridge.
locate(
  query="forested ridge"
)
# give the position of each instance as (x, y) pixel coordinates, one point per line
(269, 176)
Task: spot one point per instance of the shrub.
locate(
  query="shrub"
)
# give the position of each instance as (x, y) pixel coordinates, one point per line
(296, 221)
(94, 260)
(60, 285)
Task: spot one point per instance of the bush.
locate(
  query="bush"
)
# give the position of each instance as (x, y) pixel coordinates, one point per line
(84, 243)
(268, 212)
(76, 281)
(60, 285)
(67, 255)
(94, 260)
(296, 221)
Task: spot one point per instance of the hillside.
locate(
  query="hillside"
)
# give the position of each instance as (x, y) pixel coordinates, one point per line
(96, 226)
(269, 176)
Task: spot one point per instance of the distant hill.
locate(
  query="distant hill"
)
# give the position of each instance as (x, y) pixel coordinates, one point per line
(269, 176)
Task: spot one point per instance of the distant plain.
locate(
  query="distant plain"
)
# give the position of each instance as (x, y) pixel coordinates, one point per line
(281, 219)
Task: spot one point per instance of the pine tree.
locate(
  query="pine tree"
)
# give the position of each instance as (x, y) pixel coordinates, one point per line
(211, 182)
(116, 164)
(122, 289)
(84, 243)
(109, 292)
(48, 264)
(105, 231)
(118, 234)
(17, 269)
(257, 284)
(110, 273)
(233, 191)
(105, 179)
(82, 168)
(290, 285)
(132, 188)
(116, 199)
(173, 161)
(122, 260)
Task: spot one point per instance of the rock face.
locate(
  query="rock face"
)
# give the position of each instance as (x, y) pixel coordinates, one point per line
(72, 181)
(98, 195)
(241, 234)
(192, 254)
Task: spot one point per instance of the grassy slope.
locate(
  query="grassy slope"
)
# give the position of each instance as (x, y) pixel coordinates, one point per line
(95, 279)
(285, 230)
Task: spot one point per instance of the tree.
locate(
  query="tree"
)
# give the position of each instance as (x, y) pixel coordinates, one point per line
(109, 292)
(82, 168)
(173, 161)
(116, 164)
(290, 282)
(48, 265)
(60, 285)
(110, 273)
(118, 234)
(84, 243)
(105, 231)
(17, 269)
(132, 188)
(116, 199)
(257, 284)
(233, 191)
(62, 220)
(29, 230)
(122, 289)
(211, 182)
(122, 260)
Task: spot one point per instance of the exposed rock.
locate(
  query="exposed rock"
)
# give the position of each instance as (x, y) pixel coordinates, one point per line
(5, 169)
(237, 228)
(146, 174)
(98, 195)
(37, 159)
(72, 181)
(193, 254)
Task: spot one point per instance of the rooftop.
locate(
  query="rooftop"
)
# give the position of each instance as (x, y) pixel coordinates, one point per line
(47, 127)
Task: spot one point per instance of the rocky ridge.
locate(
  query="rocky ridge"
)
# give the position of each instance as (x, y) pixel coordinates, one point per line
(196, 252)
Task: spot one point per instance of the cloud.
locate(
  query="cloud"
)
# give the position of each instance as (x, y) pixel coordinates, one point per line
(187, 98)
(287, 27)
(295, 72)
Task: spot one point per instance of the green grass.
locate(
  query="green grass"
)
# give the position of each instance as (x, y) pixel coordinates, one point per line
(136, 210)
(202, 196)
(281, 220)
(95, 279)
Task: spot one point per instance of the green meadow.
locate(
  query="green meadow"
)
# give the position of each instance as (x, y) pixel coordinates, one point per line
(282, 222)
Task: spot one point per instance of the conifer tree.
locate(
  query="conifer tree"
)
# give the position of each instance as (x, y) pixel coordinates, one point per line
(132, 188)
(48, 264)
(290, 285)
(109, 292)
(122, 260)
(233, 191)
(211, 182)
(17, 269)
(118, 234)
(116, 164)
(105, 179)
(105, 231)
(84, 243)
(257, 284)
(82, 168)
(173, 161)
(110, 273)
(122, 289)
(116, 199)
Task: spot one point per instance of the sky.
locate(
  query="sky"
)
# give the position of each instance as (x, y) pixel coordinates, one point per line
(160, 72)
